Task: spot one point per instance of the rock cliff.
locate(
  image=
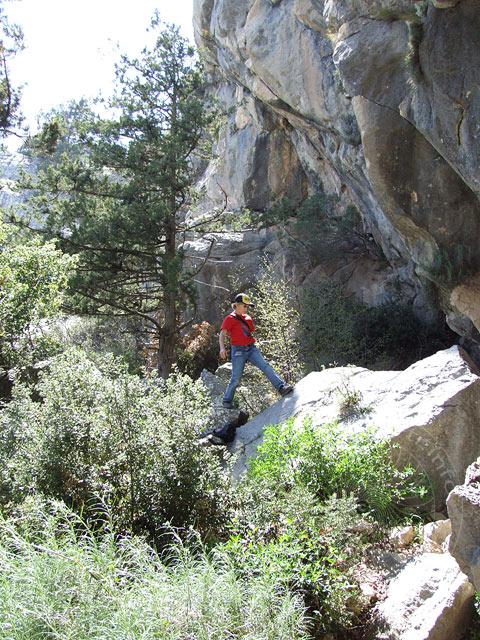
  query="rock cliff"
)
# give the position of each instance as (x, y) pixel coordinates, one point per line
(374, 102)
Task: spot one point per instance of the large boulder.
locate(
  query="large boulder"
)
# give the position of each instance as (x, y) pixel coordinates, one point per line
(464, 510)
(430, 599)
(431, 411)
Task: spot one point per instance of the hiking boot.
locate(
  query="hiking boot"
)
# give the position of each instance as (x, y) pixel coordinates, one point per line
(227, 405)
(285, 389)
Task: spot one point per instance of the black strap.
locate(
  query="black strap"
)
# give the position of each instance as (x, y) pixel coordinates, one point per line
(243, 321)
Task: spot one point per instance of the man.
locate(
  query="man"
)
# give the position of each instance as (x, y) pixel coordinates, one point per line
(239, 326)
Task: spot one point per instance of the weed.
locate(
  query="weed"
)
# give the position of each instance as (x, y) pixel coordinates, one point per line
(350, 400)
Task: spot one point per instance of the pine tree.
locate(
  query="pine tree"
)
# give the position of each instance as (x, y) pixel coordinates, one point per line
(119, 201)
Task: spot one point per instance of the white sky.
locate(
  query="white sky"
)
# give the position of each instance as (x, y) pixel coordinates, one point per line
(71, 45)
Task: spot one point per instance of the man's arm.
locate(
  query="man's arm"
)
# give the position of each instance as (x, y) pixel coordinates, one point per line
(221, 341)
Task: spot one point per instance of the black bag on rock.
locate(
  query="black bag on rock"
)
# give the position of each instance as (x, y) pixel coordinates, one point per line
(226, 434)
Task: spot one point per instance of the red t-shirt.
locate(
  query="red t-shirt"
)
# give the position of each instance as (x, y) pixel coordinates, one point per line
(238, 332)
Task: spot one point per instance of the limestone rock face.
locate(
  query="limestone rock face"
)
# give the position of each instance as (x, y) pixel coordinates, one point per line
(464, 510)
(373, 101)
(431, 411)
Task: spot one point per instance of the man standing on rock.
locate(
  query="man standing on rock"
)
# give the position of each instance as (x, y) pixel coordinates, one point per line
(239, 326)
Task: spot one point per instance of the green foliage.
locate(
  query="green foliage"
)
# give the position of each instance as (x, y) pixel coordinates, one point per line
(71, 582)
(473, 632)
(327, 328)
(330, 461)
(277, 315)
(314, 227)
(100, 434)
(334, 328)
(308, 546)
(451, 266)
(350, 129)
(33, 277)
(300, 222)
(412, 59)
(100, 335)
(11, 43)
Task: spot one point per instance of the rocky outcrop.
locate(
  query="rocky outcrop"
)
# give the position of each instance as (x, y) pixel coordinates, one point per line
(374, 102)
(464, 510)
(431, 411)
(224, 256)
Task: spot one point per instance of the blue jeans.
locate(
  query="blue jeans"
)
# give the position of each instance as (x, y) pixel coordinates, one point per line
(240, 356)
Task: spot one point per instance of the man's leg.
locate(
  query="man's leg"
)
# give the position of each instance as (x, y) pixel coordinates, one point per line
(256, 358)
(239, 358)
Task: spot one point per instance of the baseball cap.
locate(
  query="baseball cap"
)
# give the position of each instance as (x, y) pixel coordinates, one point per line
(242, 297)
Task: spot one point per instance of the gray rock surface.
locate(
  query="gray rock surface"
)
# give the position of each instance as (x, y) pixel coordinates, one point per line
(464, 510)
(431, 411)
(374, 101)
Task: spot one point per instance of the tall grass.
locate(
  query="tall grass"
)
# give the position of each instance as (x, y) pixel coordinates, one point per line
(65, 583)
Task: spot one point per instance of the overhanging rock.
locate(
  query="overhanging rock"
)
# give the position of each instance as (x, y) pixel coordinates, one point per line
(431, 410)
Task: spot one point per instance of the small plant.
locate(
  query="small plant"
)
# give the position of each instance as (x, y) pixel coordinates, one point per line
(412, 59)
(350, 129)
(350, 400)
(451, 267)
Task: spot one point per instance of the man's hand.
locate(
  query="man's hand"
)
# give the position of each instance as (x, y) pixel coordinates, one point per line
(221, 344)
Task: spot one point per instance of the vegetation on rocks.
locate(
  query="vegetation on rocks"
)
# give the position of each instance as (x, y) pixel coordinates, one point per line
(114, 521)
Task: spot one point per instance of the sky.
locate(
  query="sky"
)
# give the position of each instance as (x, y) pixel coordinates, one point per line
(71, 45)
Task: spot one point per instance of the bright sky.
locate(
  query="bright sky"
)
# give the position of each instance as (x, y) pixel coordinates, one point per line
(71, 45)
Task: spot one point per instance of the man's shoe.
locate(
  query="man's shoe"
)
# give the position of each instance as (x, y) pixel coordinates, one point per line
(285, 389)
(227, 405)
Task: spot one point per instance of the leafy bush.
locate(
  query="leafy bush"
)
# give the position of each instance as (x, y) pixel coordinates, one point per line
(328, 327)
(277, 314)
(104, 334)
(334, 328)
(73, 583)
(33, 278)
(100, 433)
(311, 551)
(330, 461)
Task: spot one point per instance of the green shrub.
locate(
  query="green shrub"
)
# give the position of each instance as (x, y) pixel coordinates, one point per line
(100, 433)
(276, 314)
(101, 335)
(330, 461)
(328, 327)
(452, 266)
(313, 554)
(334, 328)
